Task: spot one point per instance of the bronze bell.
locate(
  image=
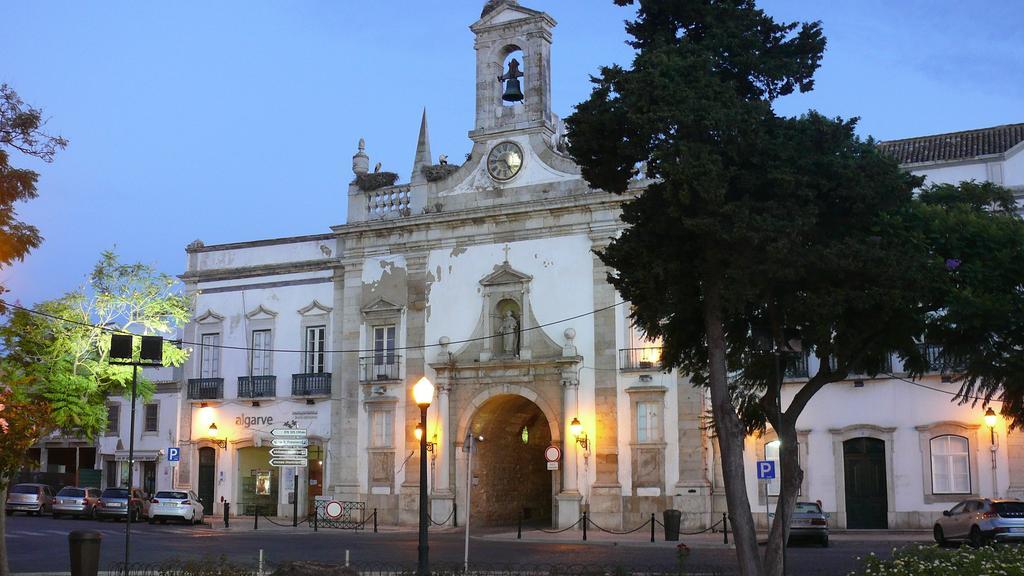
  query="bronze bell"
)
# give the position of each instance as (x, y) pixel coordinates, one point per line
(513, 90)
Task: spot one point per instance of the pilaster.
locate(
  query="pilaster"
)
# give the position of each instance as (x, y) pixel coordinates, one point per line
(344, 444)
(415, 368)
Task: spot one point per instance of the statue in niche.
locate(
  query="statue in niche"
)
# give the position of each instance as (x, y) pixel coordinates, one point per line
(509, 331)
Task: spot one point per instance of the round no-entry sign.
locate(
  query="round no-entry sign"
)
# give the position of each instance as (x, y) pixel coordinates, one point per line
(552, 454)
(333, 509)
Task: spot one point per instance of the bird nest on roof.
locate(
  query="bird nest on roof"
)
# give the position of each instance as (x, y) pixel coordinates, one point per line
(375, 180)
(438, 171)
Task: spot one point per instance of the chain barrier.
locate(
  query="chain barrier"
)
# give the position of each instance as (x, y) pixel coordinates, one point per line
(563, 529)
(442, 522)
(289, 525)
(637, 529)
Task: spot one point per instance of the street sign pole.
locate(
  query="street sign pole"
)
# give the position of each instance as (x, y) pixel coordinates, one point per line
(295, 500)
(289, 449)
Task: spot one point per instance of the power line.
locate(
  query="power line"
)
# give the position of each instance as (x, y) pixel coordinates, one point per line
(292, 351)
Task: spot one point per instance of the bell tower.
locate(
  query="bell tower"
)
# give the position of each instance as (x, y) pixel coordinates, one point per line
(513, 51)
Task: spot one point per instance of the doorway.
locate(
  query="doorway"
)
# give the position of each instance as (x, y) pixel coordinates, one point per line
(865, 483)
(207, 477)
(511, 476)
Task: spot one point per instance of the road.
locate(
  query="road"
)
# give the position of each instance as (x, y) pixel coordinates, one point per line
(41, 545)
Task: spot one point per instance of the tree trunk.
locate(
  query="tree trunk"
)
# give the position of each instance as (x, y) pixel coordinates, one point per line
(4, 568)
(792, 477)
(730, 436)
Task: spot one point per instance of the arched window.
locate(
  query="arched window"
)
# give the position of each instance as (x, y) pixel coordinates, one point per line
(951, 466)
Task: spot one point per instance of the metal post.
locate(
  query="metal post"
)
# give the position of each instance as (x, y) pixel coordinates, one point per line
(584, 525)
(519, 529)
(316, 517)
(295, 499)
(725, 528)
(423, 562)
(255, 517)
(470, 440)
(374, 520)
(131, 466)
(455, 514)
(652, 526)
(227, 510)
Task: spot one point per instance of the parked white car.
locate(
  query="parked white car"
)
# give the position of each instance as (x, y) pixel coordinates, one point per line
(181, 505)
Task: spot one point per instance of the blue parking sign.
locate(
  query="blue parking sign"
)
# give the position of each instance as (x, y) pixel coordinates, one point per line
(173, 454)
(765, 469)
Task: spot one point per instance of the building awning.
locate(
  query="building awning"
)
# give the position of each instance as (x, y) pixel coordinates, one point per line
(140, 455)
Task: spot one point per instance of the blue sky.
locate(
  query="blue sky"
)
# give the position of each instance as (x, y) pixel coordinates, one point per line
(237, 119)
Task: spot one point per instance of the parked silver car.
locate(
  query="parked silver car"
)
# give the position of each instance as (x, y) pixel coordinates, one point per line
(77, 502)
(810, 522)
(114, 503)
(981, 521)
(29, 498)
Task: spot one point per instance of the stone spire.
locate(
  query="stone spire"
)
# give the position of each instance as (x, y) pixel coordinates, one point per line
(423, 156)
(360, 161)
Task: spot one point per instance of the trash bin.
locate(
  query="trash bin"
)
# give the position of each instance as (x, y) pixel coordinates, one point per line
(672, 519)
(85, 552)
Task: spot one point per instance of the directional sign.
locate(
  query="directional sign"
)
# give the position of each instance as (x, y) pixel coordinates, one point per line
(288, 462)
(288, 453)
(292, 432)
(766, 469)
(296, 442)
(173, 456)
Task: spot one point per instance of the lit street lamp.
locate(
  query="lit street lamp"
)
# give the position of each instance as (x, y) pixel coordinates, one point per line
(423, 393)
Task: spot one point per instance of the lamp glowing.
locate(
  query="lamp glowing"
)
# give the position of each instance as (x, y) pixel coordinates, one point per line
(419, 432)
(581, 437)
(991, 418)
(214, 431)
(423, 392)
(575, 427)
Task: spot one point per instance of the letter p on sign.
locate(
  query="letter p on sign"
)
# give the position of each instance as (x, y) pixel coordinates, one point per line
(765, 469)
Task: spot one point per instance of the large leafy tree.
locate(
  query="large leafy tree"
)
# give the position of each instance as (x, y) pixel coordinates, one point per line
(56, 354)
(754, 226)
(22, 132)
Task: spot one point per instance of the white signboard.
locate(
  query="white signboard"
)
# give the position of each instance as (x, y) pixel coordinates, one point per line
(289, 432)
(297, 442)
(288, 462)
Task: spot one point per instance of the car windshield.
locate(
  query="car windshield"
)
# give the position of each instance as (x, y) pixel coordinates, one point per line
(1004, 508)
(71, 492)
(806, 508)
(172, 495)
(115, 493)
(25, 489)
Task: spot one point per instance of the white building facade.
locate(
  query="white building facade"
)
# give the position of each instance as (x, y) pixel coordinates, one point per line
(482, 278)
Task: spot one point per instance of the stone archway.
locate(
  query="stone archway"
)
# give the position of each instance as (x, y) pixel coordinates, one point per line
(512, 476)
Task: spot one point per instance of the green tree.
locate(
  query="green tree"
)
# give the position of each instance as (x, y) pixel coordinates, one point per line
(56, 355)
(753, 225)
(21, 130)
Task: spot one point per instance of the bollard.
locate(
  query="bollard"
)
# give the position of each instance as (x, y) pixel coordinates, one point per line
(725, 528)
(85, 552)
(584, 526)
(652, 526)
(316, 518)
(227, 510)
(255, 517)
(519, 529)
(455, 514)
(374, 520)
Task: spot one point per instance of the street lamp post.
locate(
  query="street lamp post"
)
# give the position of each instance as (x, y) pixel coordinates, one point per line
(991, 419)
(423, 393)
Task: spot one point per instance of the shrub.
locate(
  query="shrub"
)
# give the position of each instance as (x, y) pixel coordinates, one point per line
(932, 560)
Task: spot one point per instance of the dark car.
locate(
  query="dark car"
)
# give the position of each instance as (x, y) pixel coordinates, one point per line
(810, 522)
(75, 501)
(29, 498)
(981, 521)
(115, 503)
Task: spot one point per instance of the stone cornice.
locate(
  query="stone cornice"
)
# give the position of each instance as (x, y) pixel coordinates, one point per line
(259, 270)
(260, 243)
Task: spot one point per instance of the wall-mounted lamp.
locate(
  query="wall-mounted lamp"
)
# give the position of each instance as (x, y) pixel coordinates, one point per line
(214, 437)
(419, 436)
(581, 437)
(991, 419)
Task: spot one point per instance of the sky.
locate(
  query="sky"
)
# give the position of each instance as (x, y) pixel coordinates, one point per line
(236, 120)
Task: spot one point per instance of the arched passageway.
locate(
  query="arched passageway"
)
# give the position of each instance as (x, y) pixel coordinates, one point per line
(512, 475)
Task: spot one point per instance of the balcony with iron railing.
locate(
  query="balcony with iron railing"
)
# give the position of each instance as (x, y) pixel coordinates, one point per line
(937, 363)
(640, 359)
(257, 386)
(796, 365)
(205, 388)
(380, 367)
(859, 372)
(313, 384)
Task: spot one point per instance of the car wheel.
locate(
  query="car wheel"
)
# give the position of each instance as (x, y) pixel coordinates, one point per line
(940, 536)
(976, 538)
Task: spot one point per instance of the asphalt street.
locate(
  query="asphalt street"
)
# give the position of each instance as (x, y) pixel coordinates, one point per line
(41, 545)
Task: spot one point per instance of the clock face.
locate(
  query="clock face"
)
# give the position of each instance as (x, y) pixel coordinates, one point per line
(504, 161)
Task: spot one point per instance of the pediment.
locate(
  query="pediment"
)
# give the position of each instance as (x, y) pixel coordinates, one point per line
(508, 11)
(260, 313)
(315, 308)
(208, 317)
(381, 306)
(504, 275)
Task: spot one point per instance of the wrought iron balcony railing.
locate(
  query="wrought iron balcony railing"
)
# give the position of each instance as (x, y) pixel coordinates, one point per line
(640, 358)
(937, 363)
(257, 386)
(205, 388)
(859, 372)
(315, 384)
(380, 367)
(796, 365)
